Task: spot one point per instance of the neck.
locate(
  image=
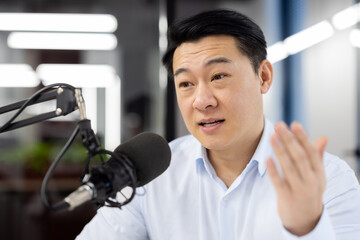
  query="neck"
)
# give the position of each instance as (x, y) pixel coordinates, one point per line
(230, 163)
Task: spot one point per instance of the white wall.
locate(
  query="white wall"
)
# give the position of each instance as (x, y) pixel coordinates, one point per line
(329, 71)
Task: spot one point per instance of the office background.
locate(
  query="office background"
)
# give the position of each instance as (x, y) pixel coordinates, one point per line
(314, 46)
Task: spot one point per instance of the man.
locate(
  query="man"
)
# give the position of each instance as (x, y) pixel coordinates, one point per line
(236, 176)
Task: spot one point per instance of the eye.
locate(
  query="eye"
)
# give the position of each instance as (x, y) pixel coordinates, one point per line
(185, 84)
(218, 76)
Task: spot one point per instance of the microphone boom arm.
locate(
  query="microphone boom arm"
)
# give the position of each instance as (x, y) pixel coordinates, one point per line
(65, 104)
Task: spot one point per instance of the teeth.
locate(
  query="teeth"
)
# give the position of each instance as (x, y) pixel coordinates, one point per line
(209, 124)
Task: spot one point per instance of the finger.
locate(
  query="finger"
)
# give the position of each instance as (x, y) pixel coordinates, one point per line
(275, 177)
(295, 149)
(288, 168)
(314, 151)
(320, 145)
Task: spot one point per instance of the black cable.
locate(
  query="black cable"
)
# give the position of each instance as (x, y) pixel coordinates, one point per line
(86, 170)
(128, 166)
(129, 169)
(50, 171)
(28, 102)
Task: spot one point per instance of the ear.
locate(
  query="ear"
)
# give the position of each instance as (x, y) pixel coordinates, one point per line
(265, 75)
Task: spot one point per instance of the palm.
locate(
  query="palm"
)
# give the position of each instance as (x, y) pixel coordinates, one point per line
(300, 189)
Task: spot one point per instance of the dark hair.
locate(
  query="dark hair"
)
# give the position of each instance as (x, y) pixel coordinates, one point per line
(250, 38)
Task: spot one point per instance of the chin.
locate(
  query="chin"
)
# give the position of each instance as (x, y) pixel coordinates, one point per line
(211, 143)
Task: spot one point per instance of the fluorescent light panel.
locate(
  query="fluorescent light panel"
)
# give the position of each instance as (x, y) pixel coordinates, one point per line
(300, 41)
(277, 52)
(55, 22)
(78, 75)
(308, 37)
(18, 75)
(113, 115)
(347, 17)
(163, 33)
(69, 41)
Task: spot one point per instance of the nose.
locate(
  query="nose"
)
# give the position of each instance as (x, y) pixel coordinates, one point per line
(204, 98)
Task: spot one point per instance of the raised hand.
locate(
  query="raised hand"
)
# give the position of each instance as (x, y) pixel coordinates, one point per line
(300, 189)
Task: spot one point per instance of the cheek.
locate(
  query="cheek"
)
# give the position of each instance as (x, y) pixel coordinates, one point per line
(185, 106)
(241, 102)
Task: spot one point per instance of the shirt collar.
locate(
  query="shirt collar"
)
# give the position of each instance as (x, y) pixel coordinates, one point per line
(202, 162)
(262, 152)
(264, 149)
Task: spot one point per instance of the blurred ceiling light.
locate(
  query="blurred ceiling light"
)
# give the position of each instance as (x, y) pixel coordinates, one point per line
(18, 75)
(57, 22)
(163, 33)
(347, 17)
(277, 52)
(113, 118)
(355, 38)
(308, 37)
(78, 75)
(68, 41)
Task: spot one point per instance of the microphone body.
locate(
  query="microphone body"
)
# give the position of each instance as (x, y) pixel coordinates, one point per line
(81, 195)
(144, 156)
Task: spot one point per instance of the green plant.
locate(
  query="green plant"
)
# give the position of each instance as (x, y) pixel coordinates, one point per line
(38, 156)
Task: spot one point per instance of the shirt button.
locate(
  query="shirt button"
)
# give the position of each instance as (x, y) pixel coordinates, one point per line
(226, 198)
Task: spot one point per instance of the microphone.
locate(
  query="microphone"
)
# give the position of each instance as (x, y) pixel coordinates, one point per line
(134, 163)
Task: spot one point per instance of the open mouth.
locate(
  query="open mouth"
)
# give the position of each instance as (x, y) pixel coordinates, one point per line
(211, 123)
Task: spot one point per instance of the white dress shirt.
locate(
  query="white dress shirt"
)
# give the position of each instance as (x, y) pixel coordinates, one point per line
(188, 201)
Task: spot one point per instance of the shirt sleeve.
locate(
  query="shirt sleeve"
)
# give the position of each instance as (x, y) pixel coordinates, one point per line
(114, 223)
(323, 230)
(340, 219)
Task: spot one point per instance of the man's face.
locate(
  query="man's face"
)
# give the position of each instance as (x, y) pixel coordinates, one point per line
(218, 92)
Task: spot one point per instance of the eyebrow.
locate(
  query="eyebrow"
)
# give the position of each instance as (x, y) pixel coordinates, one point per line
(217, 60)
(180, 70)
(210, 62)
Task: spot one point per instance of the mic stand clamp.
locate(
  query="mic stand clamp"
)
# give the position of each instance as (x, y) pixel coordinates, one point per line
(89, 138)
